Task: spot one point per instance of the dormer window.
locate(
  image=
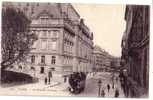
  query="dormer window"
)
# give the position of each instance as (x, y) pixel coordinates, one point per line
(44, 17)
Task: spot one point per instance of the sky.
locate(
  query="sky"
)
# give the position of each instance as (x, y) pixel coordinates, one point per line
(107, 23)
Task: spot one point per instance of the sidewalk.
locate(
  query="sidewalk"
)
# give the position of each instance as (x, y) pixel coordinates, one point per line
(39, 88)
(57, 83)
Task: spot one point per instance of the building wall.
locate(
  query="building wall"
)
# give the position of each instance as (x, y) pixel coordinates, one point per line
(101, 59)
(62, 34)
(135, 44)
(84, 48)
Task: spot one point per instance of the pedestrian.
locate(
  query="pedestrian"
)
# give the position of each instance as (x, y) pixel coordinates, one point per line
(45, 80)
(65, 78)
(116, 93)
(102, 93)
(126, 82)
(99, 85)
(113, 85)
(122, 82)
(113, 81)
(116, 79)
(49, 76)
(108, 87)
(124, 89)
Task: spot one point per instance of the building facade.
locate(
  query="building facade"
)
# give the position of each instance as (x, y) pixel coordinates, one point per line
(102, 59)
(64, 44)
(115, 64)
(135, 46)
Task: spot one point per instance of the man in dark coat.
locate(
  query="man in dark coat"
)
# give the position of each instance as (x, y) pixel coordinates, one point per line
(103, 93)
(121, 76)
(108, 87)
(45, 80)
(116, 93)
(49, 76)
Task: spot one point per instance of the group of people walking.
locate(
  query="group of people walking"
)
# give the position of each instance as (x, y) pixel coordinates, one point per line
(111, 88)
(48, 78)
(116, 91)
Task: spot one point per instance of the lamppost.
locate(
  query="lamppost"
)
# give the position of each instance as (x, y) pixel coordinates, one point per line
(99, 86)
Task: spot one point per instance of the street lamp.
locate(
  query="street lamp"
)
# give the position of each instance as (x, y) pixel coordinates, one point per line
(99, 86)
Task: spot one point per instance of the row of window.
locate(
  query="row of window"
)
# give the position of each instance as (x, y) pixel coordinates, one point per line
(47, 21)
(84, 51)
(68, 46)
(66, 41)
(51, 45)
(43, 59)
(68, 49)
(46, 33)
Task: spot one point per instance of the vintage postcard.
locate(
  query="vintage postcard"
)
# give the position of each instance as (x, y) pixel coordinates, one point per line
(75, 49)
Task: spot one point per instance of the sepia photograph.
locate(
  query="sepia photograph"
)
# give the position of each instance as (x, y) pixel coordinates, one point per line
(75, 49)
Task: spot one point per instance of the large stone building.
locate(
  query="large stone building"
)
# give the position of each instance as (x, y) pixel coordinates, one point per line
(64, 41)
(101, 60)
(135, 48)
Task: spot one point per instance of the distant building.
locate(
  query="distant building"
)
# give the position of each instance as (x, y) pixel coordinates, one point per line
(115, 63)
(64, 44)
(101, 59)
(135, 46)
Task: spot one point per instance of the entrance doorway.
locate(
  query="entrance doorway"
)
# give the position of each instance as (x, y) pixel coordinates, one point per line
(41, 70)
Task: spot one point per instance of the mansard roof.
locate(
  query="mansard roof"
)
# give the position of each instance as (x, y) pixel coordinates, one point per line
(56, 10)
(46, 8)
